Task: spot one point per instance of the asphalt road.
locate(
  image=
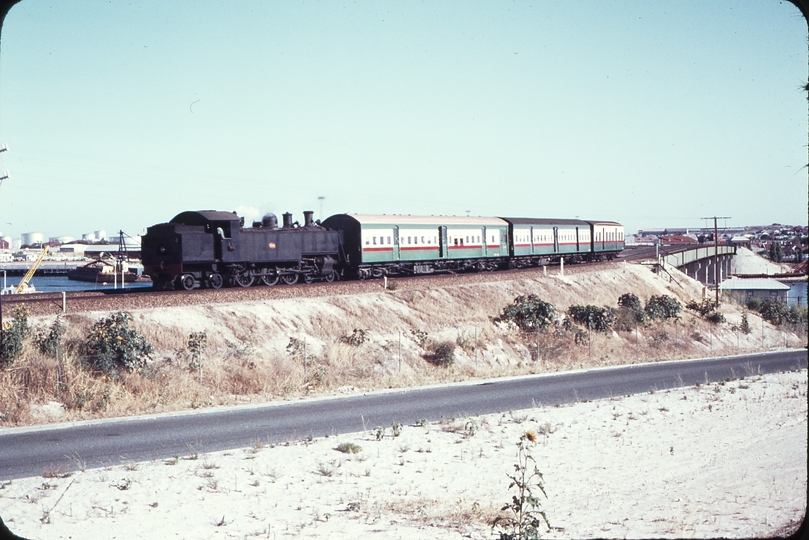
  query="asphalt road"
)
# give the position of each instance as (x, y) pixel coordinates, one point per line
(28, 452)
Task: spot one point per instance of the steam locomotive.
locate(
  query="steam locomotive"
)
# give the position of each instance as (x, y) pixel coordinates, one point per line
(214, 249)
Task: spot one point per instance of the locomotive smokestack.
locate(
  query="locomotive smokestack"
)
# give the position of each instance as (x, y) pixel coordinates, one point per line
(287, 220)
(308, 220)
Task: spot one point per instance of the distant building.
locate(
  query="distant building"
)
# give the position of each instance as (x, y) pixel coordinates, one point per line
(741, 241)
(741, 289)
(677, 239)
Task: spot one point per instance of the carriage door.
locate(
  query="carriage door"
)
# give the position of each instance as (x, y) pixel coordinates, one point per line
(556, 239)
(483, 245)
(395, 243)
(578, 245)
(442, 241)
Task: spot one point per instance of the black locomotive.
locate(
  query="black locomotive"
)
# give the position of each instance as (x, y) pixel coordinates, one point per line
(211, 249)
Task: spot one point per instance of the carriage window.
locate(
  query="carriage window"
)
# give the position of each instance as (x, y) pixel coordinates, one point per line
(408, 240)
(388, 240)
(456, 241)
(422, 240)
(374, 240)
(462, 240)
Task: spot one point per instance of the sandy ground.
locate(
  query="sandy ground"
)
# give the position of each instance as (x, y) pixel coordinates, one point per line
(724, 459)
(747, 262)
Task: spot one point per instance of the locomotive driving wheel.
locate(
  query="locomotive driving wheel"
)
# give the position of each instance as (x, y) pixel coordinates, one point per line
(244, 279)
(270, 280)
(215, 281)
(186, 281)
(331, 276)
(290, 279)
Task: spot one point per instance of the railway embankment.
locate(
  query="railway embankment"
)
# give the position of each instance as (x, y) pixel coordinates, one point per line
(353, 337)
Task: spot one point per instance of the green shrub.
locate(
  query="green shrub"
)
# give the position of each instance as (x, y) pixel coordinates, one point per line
(49, 340)
(13, 334)
(113, 345)
(753, 304)
(774, 311)
(444, 354)
(631, 304)
(708, 310)
(598, 319)
(529, 313)
(777, 312)
(662, 307)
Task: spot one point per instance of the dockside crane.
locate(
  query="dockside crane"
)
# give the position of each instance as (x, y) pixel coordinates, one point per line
(31, 271)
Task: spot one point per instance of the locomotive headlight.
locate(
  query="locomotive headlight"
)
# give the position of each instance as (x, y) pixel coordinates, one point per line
(271, 245)
(161, 249)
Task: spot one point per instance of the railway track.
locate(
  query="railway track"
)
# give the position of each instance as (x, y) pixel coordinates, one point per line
(108, 301)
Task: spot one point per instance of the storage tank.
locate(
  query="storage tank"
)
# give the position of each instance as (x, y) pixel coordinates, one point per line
(89, 237)
(31, 238)
(63, 239)
(101, 235)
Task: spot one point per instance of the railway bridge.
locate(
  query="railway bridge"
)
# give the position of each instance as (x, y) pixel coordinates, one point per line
(695, 260)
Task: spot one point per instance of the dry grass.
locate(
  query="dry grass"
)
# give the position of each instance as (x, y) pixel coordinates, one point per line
(247, 359)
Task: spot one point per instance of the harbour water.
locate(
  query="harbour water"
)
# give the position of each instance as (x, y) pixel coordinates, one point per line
(797, 293)
(62, 283)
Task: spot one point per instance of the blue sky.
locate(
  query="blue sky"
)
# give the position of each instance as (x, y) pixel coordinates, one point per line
(119, 115)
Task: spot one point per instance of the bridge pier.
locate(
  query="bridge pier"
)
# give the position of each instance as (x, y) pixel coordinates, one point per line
(698, 263)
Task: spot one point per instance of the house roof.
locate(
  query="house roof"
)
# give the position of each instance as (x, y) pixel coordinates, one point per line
(752, 284)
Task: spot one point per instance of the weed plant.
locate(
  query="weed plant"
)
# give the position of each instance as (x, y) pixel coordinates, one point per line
(522, 521)
(349, 448)
(356, 338)
(49, 341)
(12, 335)
(196, 344)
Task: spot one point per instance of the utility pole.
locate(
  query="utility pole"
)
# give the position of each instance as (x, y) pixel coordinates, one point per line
(716, 254)
(5, 175)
